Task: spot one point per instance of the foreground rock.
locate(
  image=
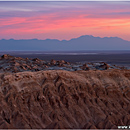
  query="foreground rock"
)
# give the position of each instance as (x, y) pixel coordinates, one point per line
(63, 99)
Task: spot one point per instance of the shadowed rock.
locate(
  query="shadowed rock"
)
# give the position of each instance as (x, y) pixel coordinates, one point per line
(6, 56)
(103, 66)
(53, 62)
(85, 67)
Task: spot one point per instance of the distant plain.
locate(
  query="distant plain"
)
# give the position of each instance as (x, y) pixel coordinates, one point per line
(121, 58)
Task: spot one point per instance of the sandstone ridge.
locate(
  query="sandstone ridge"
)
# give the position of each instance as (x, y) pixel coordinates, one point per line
(63, 99)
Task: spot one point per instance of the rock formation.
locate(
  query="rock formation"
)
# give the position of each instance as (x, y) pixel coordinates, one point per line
(63, 99)
(17, 64)
(85, 67)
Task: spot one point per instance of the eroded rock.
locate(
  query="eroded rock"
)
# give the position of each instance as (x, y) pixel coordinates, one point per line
(62, 99)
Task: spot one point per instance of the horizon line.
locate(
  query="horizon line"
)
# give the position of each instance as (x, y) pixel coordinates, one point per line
(64, 39)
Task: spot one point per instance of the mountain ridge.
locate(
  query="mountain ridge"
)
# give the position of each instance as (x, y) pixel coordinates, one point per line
(65, 39)
(84, 42)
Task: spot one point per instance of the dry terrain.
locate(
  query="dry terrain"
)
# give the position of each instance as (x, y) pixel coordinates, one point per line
(65, 99)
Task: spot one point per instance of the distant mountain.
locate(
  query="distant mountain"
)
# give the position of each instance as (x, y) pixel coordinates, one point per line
(85, 42)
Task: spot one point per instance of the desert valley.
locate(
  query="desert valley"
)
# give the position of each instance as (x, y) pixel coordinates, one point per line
(64, 64)
(33, 95)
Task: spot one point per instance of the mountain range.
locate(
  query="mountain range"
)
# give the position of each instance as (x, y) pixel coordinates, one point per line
(85, 42)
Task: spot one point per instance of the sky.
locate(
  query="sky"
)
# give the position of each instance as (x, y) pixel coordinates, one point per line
(64, 19)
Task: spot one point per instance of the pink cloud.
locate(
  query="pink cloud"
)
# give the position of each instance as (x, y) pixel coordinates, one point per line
(82, 21)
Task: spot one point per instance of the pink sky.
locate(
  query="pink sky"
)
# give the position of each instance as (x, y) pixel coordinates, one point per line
(64, 20)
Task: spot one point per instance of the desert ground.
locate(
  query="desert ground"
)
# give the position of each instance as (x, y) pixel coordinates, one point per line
(97, 98)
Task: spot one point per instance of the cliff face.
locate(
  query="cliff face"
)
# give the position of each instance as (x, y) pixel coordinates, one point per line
(63, 99)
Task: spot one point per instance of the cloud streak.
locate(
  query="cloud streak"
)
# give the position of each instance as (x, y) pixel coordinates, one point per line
(43, 19)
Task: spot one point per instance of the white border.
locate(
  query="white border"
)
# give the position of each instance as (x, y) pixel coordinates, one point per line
(65, 0)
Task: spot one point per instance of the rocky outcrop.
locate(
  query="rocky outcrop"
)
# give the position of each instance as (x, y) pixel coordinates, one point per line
(6, 56)
(105, 66)
(17, 64)
(85, 67)
(62, 99)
